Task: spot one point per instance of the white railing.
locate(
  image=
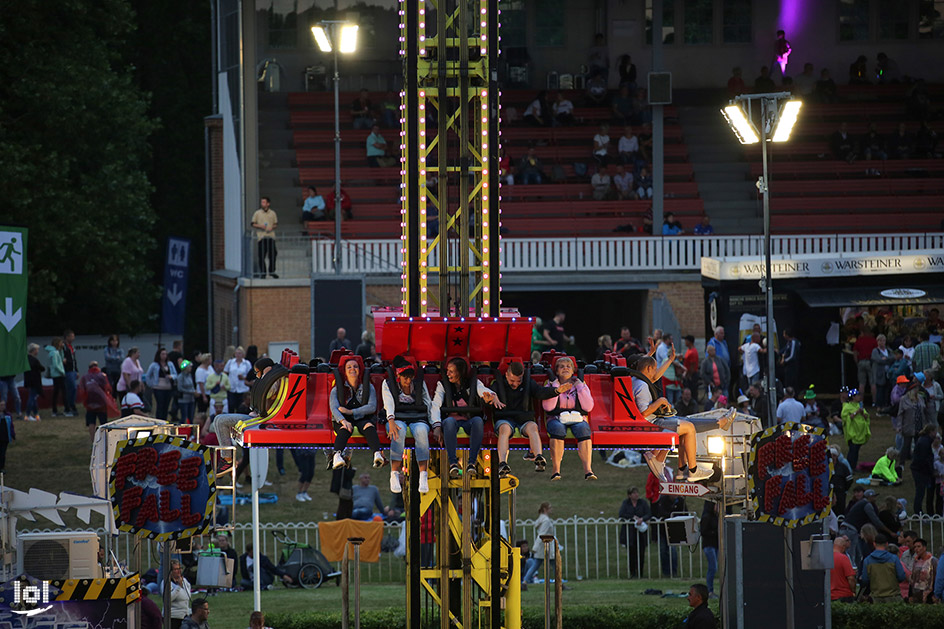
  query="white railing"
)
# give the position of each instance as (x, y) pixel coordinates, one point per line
(590, 548)
(680, 253)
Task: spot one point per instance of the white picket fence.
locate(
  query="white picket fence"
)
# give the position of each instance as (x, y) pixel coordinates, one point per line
(678, 253)
(590, 548)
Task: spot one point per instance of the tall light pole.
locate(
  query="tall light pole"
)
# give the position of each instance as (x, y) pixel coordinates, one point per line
(779, 121)
(336, 36)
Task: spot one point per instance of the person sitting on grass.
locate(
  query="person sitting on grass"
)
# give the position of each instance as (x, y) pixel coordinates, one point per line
(884, 469)
(516, 393)
(659, 411)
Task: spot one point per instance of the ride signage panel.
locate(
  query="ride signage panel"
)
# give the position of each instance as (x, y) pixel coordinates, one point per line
(162, 487)
(684, 489)
(788, 475)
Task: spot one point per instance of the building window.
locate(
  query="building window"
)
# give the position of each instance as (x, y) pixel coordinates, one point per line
(550, 19)
(931, 19)
(892, 20)
(283, 24)
(854, 20)
(514, 20)
(699, 21)
(736, 22)
(668, 22)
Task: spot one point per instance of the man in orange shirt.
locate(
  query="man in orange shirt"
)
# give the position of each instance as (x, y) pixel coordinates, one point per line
(842, 580)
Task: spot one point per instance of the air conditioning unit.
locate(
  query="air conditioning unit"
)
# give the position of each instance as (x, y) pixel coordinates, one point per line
(56, 556)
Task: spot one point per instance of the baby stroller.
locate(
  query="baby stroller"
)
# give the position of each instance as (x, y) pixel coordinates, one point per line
(306, 565)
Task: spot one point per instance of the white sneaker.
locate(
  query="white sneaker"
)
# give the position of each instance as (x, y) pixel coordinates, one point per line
(424, 482)
(701, 472)
(300, 497)
(268, 483)
(379, 460)
(656, 466)
(395, 482)
(305, 495)
(338, 461)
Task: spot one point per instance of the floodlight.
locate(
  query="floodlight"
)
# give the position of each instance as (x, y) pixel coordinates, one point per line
(348, 38)
(716, 445)
(742, 127)
(321, 37)
(788, 117)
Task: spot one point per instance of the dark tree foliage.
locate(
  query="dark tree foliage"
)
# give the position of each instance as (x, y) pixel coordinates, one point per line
(74, 133)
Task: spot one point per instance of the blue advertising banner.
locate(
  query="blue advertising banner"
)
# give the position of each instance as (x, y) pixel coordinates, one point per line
(176, 273)
(162, 487)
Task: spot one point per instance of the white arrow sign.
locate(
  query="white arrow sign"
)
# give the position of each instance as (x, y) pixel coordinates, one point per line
(174, 294)
(9, 317)
(684, 489)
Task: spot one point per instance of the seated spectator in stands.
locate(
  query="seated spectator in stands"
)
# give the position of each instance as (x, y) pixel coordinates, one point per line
(267, 570)
(601, 145)
(598, 58)
(366, 499)
(623, 182)
(704, 228)
(642, 112)
(602, 186)
(842, 144)
(671, 226)
(736, 84)
(361, 112)
(505, 169)
(530, 169)
(886, 69)
(331, 203)
(536, 113)
(628, 147)
(859, 71)
(873, 144)
(313, 209)
(563, 111)
(623, 107)
(646, 218)
(627, 72)
(826, 91)
(805, 83)
(918, 100)
(925, 144)
(569, 409)
(901, 144)
(644, 189)
(596, 91)
(376, 147)
(764, 83)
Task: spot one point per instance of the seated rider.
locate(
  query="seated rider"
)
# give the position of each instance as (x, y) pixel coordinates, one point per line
(224, 423)
(406, 404)
(354, 404)
(462, 402)
(516, 392)
(657, 411)
(571, 396)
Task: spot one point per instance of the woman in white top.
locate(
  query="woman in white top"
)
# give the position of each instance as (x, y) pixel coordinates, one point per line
(237, 369)
(131, 370)
(601, 145)
(544, 525)
(200, 378)
(179, 595)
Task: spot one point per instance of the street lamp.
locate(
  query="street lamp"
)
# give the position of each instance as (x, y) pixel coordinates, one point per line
(336, 36)
(779, 120)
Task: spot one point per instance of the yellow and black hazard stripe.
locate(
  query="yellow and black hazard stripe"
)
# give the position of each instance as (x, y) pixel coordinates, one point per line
(127, 589)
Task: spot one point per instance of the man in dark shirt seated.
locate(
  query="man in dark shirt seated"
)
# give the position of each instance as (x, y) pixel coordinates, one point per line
(701, 617)
(517, 413)
(267, 573)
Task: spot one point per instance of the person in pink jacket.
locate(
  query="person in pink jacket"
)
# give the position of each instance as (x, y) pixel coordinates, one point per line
(570, 408)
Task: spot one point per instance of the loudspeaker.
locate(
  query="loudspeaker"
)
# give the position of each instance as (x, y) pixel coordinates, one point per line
(660, 88)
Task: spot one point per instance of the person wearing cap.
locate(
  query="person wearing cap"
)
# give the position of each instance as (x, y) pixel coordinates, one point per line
(812, 415)
(859, 514)
(461, 390)
(225, 422)
(910, 418)
(744, 404)
(185, 390)
(856, 426)
(406, 405)
(884, 469)
(95, 384)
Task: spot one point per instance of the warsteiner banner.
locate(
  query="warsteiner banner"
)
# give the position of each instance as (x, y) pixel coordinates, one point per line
(162, 487)
(788, 475)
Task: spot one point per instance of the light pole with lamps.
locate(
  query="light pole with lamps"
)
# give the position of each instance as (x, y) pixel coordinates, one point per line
(336, 36)
(781, 121)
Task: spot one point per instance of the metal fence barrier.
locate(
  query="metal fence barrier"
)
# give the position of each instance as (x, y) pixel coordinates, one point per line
(591, 548)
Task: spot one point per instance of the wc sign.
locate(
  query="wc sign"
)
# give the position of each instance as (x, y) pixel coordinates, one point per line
(30, 600)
